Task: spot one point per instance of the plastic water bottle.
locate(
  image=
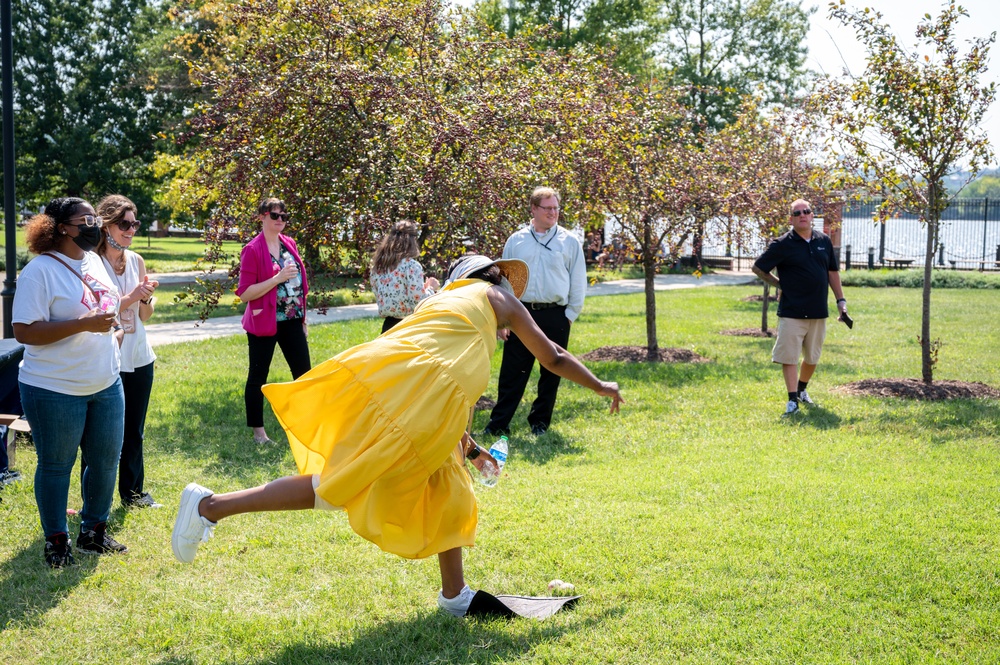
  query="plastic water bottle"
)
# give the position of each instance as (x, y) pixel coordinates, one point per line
(109, 301)
(491, 474)
(294, 282)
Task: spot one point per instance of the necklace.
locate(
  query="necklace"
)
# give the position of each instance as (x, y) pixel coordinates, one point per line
(120, 283)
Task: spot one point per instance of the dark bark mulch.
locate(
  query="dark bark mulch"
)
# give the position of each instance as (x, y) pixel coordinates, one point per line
(637, 354)
(916, 389)
(759, 298)
(485, 404)
(748, 332)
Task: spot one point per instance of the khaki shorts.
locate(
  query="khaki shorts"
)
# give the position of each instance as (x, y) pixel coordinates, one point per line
(799, 335)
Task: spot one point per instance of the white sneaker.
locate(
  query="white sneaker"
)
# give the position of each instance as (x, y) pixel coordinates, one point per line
(806, 399)
(191, 529)
(791, 407)
(458, 605)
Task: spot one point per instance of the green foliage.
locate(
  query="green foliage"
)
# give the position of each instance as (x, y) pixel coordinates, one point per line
(630, 28)
(22, 258)
(914, 279)
(912, 117)
(360, 114)
(983, 187)
(727, 50)
(86, 111)
(700, 527)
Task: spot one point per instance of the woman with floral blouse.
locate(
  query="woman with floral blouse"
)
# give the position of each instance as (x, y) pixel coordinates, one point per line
(396, 277)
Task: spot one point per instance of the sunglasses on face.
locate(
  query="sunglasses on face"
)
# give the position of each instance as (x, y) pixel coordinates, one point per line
(548, 208)
(89, 220)
(125, 225)
(799, 213)
(283, 216)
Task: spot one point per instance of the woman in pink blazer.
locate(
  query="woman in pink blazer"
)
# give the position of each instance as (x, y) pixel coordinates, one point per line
(273, 285)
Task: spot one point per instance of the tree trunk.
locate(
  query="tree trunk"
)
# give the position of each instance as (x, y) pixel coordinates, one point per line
(926, 362)
(649, 272)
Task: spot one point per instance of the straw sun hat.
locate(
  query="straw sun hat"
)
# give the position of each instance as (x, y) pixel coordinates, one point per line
(514, 271)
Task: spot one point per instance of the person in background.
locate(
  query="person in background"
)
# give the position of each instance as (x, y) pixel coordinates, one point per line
(390, 449)
(807, 270)
(273, 285)
(554, 298)
(128, 273)
(65, 314)
(396, 278)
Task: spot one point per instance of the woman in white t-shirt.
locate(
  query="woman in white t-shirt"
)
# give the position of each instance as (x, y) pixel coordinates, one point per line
(128, 273)
(396, 278)
(65, 314)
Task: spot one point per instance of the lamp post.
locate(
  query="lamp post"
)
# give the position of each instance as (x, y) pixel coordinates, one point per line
(9, 209)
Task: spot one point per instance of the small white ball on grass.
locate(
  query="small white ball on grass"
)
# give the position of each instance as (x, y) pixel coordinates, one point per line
(557, 587)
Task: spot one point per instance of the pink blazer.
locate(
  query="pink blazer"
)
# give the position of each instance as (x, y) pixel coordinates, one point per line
(261, 315)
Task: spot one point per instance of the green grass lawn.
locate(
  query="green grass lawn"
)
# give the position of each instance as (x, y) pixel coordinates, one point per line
(699, 526)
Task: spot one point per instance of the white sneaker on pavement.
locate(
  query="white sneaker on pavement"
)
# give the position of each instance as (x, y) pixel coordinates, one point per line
(458, 605)
(191, 529)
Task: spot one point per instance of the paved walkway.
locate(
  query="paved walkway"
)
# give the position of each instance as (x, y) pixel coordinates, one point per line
(188, 331)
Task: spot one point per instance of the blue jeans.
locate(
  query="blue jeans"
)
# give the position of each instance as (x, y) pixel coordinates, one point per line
(60, 425)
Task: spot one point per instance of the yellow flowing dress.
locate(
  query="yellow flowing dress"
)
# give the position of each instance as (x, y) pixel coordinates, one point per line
(380, 423)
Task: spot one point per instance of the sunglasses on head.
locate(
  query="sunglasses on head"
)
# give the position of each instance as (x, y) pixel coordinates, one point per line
(799, 213)
(125, 225)
(283, 216)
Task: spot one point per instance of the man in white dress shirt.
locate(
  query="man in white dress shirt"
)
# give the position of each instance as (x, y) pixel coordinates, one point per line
(557, 284)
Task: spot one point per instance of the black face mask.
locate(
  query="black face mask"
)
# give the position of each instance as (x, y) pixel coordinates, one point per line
(87, 237)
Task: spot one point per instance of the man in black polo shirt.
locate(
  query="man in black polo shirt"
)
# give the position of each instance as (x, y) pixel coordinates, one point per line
(807, 268)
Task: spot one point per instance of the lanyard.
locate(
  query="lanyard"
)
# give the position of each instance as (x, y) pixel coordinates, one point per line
(546, 244)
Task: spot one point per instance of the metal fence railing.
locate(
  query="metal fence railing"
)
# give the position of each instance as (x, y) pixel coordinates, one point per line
(968, 239)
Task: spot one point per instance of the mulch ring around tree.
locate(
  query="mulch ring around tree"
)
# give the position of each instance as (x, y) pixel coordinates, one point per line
(916, 389)
(638, 354)
(758, 298)
(747, 332)
(485, 404)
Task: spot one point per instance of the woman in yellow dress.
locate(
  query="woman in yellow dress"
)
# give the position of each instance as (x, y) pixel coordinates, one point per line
(374, 429)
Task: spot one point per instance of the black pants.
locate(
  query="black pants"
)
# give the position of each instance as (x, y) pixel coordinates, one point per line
(292, 340)
(137, 386)
(388, 322)
(515, 369)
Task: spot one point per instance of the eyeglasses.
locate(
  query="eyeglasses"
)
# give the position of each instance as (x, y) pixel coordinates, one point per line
(125, 225)
(283, 216)
(799, 213)
(89, 220)
(548, 208)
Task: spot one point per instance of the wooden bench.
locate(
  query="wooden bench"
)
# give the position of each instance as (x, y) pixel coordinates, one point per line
(899, 263)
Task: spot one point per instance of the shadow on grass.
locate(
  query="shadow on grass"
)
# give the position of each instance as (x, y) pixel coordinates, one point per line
(813, 416)
(429, 638)
(213, 433)
(29, 588)
(956, 418)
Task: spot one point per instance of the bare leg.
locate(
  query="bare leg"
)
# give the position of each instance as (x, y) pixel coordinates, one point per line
(806, 372)
(452, 577)
(288, 493)
(791, 372)
(259, 434)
